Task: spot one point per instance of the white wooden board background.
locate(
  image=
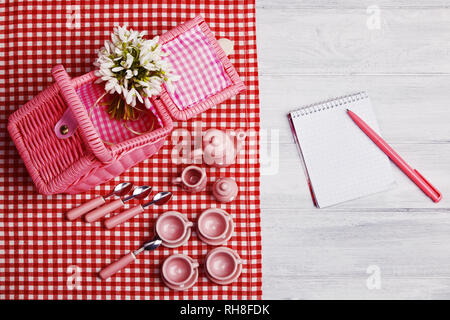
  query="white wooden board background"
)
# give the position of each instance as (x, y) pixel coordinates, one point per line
(316, 49)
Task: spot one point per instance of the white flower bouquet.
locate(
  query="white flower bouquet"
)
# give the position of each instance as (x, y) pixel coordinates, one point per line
(133, 70)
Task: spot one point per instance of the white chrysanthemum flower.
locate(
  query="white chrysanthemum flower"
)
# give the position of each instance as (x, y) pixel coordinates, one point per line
(133, 67)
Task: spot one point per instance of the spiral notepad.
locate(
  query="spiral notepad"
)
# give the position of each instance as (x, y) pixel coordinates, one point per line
(341, 163)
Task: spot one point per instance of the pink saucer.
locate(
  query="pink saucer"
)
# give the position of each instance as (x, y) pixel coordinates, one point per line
(179, 243)
(219, 241)
(175, 230)
(187, 286)
(213, 224)
(224, 283)
(181, 269)
(222, 254)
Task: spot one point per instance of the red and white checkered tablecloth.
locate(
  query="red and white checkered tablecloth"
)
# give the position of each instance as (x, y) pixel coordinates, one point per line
(43, 256)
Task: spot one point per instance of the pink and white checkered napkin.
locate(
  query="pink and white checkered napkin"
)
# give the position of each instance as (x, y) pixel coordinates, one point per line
(202, 74)
(111, 130)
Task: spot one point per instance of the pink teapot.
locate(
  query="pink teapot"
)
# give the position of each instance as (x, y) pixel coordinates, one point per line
(219, 148)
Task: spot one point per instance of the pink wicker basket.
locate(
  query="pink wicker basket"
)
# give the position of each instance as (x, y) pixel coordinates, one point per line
(81, 161)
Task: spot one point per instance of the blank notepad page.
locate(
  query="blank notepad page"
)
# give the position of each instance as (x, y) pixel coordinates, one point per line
(341, 162)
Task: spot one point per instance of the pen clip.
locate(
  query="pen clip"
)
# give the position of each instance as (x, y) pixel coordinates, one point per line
(439, 195)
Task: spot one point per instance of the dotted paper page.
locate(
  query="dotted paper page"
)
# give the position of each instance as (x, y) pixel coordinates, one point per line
(341, 161)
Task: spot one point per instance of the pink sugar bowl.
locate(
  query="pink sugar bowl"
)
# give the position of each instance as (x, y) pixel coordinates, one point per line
(225, 189)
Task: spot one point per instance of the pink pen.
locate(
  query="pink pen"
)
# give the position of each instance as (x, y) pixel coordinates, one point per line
(413, 174)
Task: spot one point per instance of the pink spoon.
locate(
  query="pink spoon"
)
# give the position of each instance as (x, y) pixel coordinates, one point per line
(158, 200)
(120, 190)
(138, 193)
(118, 265)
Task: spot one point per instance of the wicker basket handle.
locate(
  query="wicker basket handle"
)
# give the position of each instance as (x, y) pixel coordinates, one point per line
(87, 130)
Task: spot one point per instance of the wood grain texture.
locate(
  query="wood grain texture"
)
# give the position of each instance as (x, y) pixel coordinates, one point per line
(346, 4)
(338, 41)
(313, 50)
(330, 252)
(421, 102)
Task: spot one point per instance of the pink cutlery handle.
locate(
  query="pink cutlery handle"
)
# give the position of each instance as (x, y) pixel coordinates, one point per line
(103, 210)
(123, 216)
(116, 266)
(85, 207)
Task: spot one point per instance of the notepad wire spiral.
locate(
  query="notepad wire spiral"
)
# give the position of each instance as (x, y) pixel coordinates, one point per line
(329, 104)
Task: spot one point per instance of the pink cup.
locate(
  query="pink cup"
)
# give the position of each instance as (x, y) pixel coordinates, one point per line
(178, 269)
(214, 224)
(222, 263)
(192, 179)
(172, 227)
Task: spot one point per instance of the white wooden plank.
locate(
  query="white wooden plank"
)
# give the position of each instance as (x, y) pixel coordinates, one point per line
(327, 288)
(312, 50)
(349, 4)
(338, 41)
(408, 108)
(288, 189)
(317, 254)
